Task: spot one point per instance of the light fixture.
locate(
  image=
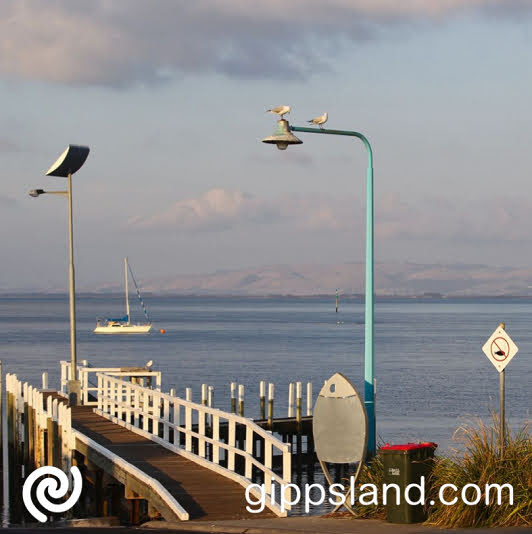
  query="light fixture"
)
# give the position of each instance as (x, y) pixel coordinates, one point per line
(282, 137)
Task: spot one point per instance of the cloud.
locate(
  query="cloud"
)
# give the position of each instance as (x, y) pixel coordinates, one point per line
(215, 210)
(125, 42)
(220, 209)
(397, 218)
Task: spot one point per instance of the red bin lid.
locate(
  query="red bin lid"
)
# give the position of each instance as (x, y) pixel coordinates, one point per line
(408, 446)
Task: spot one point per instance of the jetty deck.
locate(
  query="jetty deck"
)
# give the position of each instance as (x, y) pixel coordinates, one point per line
(204, 494)
(144, 453)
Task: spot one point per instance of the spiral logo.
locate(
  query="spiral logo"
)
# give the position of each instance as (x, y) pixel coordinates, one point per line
(55, 488)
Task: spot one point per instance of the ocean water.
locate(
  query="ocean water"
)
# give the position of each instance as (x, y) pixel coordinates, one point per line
(431, 373)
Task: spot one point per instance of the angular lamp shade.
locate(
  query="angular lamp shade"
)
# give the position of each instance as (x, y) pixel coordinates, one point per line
(70, 161)
(282, 137)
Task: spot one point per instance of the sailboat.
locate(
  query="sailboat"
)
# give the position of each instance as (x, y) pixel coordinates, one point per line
(123, 325)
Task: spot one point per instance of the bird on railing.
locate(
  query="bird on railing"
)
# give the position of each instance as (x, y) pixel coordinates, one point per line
(320, 121)
(149, 364)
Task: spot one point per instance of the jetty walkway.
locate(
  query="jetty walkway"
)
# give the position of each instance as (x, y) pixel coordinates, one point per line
(143, 453)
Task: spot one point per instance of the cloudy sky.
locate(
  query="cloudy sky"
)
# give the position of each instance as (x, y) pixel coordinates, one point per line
(171, 98)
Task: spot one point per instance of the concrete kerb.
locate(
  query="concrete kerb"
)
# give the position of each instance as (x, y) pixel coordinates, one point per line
(316, 525)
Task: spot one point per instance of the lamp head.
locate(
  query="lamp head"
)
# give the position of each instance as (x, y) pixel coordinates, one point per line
(70, 161)
(36, 192)
(282, 137)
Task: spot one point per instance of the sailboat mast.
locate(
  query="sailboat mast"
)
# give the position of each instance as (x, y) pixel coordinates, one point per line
(127, 289)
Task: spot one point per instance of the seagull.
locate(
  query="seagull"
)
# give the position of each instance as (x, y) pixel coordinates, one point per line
(149, 364)
(280, 110)
(322, 119)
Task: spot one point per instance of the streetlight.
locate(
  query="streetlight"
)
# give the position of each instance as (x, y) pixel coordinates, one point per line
(282, 137)
(70, 161)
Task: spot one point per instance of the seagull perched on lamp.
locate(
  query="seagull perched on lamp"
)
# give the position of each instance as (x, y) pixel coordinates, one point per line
(322, 119)
(279, 110)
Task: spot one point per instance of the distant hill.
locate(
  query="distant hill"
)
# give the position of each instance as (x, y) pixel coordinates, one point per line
(390, 279)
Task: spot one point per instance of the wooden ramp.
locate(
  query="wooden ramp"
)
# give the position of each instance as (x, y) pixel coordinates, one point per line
(204, 494)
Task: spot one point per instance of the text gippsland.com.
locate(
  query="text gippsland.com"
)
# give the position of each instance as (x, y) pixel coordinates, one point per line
(288, 495)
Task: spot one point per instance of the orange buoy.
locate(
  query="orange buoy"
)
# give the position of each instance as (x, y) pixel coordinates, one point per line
(162, 330)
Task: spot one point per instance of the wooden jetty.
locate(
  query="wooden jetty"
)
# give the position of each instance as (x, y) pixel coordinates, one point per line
(145, 454)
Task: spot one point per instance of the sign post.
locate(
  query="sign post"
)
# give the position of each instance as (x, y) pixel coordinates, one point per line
(500, 349)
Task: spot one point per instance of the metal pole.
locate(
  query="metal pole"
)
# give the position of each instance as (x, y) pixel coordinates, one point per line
(369, 344)
(501, 409)
(73, 385)
(502, 385)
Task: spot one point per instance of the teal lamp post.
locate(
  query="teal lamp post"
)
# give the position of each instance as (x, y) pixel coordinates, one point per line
(282, 137)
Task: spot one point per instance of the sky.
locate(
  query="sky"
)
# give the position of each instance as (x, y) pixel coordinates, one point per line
(171, 98)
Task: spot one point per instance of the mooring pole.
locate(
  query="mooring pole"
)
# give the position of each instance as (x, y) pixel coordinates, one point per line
(262, 398)
(233, 397)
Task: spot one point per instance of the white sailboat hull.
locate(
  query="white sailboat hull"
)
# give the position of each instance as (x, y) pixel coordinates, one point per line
(123, 329)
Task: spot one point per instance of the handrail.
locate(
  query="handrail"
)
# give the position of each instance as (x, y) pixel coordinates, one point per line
(87, 388)
(156, 415)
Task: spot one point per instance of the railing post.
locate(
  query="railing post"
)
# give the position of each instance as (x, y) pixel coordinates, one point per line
(201, 432)
(287, 471)
(188, 421)
(145, 410)
(129, 401)
(249, 451)
(85, 385)
(216, 438)
(136, 414)
(309, 398)
(231, 442)
(177, 423)
(268, 464)
(119, 398)
(166, 418)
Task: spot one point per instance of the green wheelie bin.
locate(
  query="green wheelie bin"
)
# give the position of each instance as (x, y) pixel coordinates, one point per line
(404, 465)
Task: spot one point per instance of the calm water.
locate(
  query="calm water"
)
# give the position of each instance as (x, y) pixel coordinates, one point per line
(431, 371)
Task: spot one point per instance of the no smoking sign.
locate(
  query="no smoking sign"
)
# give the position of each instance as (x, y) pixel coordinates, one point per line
(500, 349)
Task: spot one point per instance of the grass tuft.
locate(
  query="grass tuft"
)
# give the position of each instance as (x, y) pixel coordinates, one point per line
(481, 463)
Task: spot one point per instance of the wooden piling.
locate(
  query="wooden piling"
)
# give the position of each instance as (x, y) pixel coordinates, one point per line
(262, 399)
(241, 400)
(298, 403)
(233, 397)
(291, 399)
(309, 398)
(271, 394)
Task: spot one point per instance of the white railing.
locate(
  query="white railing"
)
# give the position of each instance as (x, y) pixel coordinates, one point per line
(193, 431)
(58, 412)
(88, 387)
(23, 393)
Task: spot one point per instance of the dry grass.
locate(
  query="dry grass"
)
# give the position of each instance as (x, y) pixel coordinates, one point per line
(481, 463)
